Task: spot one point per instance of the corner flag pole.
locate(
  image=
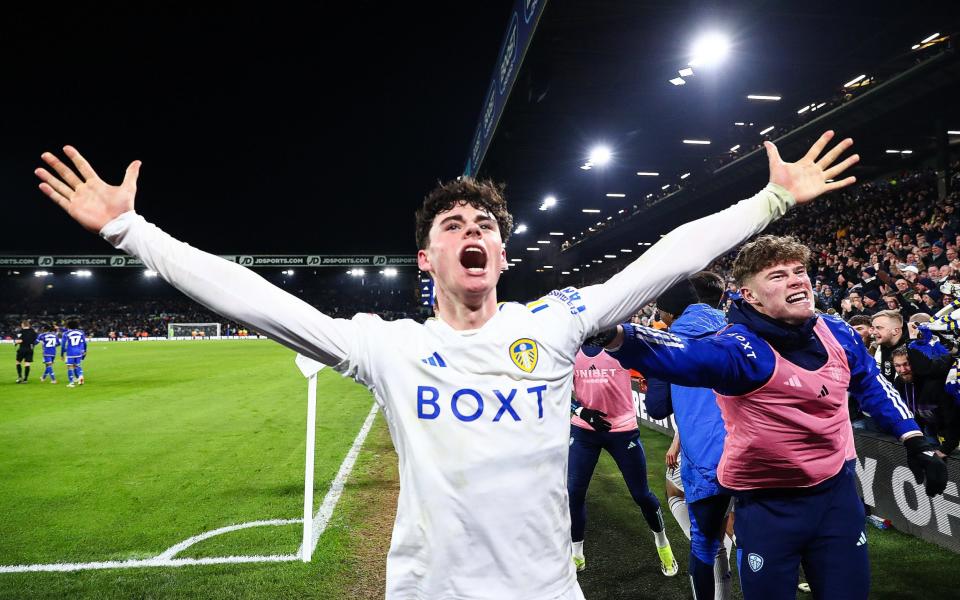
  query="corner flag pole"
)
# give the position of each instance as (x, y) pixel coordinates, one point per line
(309, 368)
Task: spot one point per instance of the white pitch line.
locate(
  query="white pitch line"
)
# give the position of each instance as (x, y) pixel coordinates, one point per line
(322, 518)
(165, 559)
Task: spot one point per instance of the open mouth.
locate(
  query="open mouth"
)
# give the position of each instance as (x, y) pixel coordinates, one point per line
(798, 298)
(474, 259)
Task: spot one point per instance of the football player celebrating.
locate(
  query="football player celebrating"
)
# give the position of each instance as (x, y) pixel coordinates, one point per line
(482, 430)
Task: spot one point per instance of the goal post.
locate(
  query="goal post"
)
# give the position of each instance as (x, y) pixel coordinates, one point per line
(193, 330)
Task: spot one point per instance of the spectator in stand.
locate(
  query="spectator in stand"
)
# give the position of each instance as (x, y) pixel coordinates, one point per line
(888, 331)
(937, 256)
(871, 302)
(862, 325)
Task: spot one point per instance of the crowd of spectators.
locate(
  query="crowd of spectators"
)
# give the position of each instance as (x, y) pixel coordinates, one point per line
(142, 318)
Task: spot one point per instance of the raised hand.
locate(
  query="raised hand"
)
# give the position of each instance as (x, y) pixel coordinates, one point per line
(807, 178)
(88, 199)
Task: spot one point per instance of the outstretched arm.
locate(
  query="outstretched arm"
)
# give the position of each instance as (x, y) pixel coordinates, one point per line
(222, 286)
(692, 246)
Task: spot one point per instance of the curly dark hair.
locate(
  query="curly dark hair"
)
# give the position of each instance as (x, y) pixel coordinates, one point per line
(767, 251)
(482, 195)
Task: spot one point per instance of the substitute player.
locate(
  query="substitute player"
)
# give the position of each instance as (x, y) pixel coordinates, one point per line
(782, 374)
(482, 430)
(25, 340)
(49, 342)
(602, 388)
(73, 349)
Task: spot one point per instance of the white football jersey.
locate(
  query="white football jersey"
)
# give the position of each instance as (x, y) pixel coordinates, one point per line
(480, 419)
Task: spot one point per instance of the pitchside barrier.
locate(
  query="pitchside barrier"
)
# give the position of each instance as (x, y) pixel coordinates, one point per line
(167, 339)
(885, 483)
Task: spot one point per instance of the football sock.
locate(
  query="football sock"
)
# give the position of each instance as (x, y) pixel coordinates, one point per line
(678, 506)
(26, 373)
(19, 371)
(721, 574)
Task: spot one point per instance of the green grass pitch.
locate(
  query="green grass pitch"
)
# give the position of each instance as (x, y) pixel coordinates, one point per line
(171, 439)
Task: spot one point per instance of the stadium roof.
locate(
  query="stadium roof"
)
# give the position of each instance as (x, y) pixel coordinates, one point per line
(319, 133)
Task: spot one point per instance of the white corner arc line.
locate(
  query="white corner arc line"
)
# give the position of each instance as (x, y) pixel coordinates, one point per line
(165, 558)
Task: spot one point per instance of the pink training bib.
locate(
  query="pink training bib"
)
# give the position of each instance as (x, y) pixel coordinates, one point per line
(600, 383)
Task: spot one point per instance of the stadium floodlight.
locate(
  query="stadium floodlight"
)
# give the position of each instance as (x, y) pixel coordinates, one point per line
(577, 269)
(763, 97)
(626, 250)
(649, 195)
(610, 217)
(521, 228)
(534, 249)
(893, 151)
(609, 255)
(543, 241)
(709, 49)
(953, 132)
(389, 272)
(915, 46)
(665, 187)
(685, 175)
(560, 233)
(906, 152)
(767, 130)
(548, 202)
(600, 155)
(699, 142)
(678, 81)
(591, 210)
(805, 109)
(620, 212)
(82, 273)
(739, 123)
(149, 273)
(616, 195)
(929, 38)
(356, 272)
(564, 272)
(547, 266)
(41, 273)
(854, 80)
(586, 167)
(819, 106)
(648, 174)
(687, 72)
(734, 148)
(516, 260)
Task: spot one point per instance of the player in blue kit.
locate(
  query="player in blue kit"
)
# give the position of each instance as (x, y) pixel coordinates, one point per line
(49, 342)
(74, 347)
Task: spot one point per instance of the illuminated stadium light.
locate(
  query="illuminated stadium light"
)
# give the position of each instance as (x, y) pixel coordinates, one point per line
(620, 212)
(516, 260)
(648, 174)
(389, 272)
(83, 273)
(739, 123)
(356, 272)
(149, 273)
(558, 233)
(610, 217)
(547, 266)
(521, 228)
(688, 72)
(893, 152)
(287, 272)
(599, 223)
(665, 187)
(854, 80)
(709, 49)
(616, 195)
(564, 272)
(548, 202)
(649, 195)
(929, 38)
(906, 152)
(600, 155)
(701, 142)
(678, 81)
(915, 46)
(953, 132)
(543, 241)
(591, 210)
(609, 256)
(534, 248)
(586, 167)
(805, 109)
(763, 97)
(685, 175)
(767, 130)
(577, 269)
(41, 273)
(626, 250)
(735, 148)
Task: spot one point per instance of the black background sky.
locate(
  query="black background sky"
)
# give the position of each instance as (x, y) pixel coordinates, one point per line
(261, 131)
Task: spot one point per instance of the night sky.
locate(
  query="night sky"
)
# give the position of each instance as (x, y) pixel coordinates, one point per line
(267, 131)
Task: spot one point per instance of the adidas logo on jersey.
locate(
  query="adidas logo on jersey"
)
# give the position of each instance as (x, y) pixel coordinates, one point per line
(632, 444)
(434, 360)
(793, 382)
(863, 539)
(824, 392)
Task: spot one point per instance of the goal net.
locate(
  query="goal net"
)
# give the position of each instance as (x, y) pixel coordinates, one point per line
(193, 330)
